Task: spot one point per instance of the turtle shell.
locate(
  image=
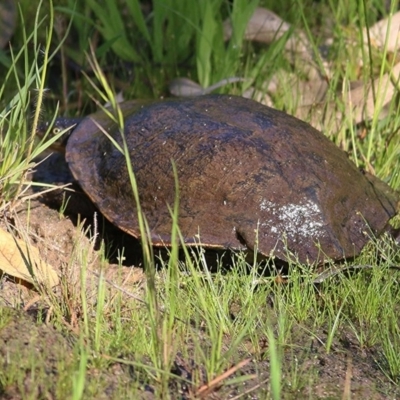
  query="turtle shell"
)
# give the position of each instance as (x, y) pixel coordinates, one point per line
(250, 177)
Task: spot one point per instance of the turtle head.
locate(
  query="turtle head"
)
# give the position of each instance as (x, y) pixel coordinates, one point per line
(61, 129)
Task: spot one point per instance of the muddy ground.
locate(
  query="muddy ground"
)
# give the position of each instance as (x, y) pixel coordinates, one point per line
(347, 371)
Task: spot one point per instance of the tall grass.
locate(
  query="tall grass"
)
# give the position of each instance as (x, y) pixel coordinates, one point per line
(18, 122)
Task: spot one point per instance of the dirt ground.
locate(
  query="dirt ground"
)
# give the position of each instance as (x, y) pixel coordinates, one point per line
(348, 369)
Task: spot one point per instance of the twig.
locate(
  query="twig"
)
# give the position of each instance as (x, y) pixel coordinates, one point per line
(335, 271)
(207, 388)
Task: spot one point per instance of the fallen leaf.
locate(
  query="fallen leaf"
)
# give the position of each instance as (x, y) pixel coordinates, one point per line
(266, 27)
(360, 103)
(385, 33)
(21, 260)
(185, 87)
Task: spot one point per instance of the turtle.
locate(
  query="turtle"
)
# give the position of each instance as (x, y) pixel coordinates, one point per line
(249, 178)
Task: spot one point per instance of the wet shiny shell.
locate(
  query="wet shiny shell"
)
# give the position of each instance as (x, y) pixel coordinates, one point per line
(250, 177)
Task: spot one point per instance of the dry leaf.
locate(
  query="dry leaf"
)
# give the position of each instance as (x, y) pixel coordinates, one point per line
(21, 260)
(360, 103)
(386, 32)
(266, 27)
(185, 87)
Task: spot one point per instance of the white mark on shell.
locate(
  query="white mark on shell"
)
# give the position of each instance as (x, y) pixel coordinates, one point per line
(302, 219)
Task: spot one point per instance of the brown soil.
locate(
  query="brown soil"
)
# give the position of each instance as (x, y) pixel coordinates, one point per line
(347, 371)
